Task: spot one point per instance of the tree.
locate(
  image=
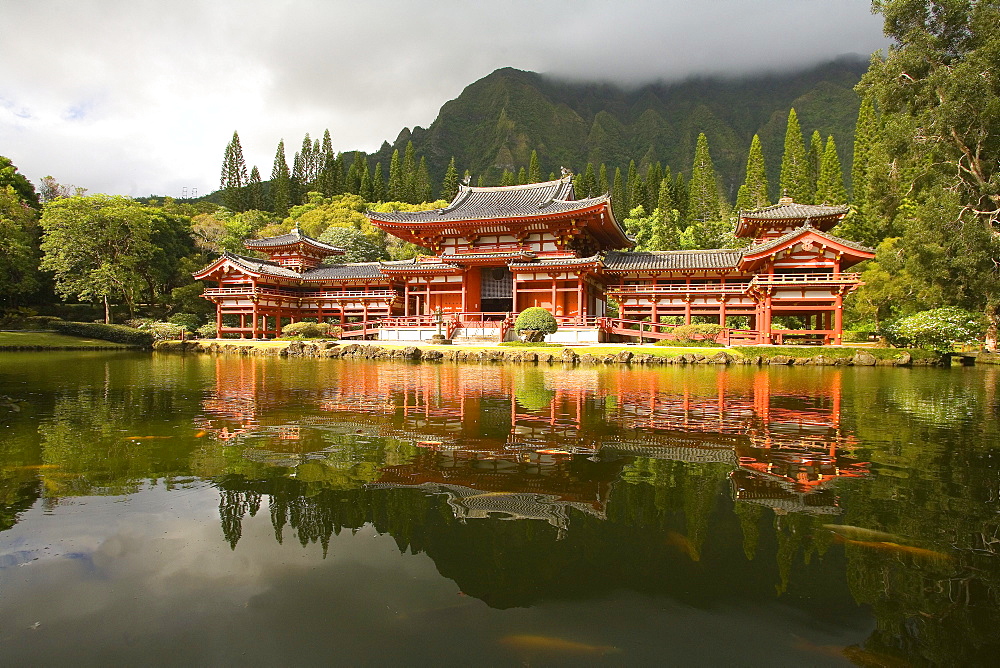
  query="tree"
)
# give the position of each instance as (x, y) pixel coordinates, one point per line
(522, 176)
(18, 255)
(754, 191)
(815, 163)
(255, 191)
(536, 320)
(378, 184)
(280, 182)
(619, 202)
(830, 185)
(409, 174)
(703, 189)
(396, 189)
(632, 188)
(449, 186)
(534, 170)
(939, 97)
(794, 180)
(865, 136)
(603, 185)
(234, 175)
(23, 188)
(96, 247)
(358, 246)
(422, 189)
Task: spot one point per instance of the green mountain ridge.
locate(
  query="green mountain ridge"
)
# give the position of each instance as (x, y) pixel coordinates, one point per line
(497, 121)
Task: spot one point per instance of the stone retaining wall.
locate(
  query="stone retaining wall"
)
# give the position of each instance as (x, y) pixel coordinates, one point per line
(334, 349)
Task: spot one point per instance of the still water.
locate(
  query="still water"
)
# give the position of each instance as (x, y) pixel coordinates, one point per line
(167, 509)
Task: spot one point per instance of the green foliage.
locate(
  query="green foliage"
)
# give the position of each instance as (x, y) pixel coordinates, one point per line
(449, 186)
(96, 330)
(687, 343)
(530, 344)
(655, 232)
(815, 161)
(358, 246)
(830, 185)
(206, 331)
(189, 321)
(281, 195)
(938, 329)
(310, 330)
(234, 175)
(754, 192)
(704, 202)
(18, 251)
(23, 188)
(536, 319)
(794, 181)
(697, 332)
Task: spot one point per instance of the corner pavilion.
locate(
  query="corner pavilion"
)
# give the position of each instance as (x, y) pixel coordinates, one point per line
(497, 251)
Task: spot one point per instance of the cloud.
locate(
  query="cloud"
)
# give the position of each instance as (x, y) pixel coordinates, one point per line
(139, 97)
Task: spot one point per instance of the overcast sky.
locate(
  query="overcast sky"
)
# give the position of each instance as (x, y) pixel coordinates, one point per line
(141, 96)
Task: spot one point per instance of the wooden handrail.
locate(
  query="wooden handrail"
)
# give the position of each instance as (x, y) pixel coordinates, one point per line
(766, 279)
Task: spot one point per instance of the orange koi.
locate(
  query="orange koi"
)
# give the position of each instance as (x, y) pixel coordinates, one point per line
(684, 544)
(533, 643)
(145, 438)
(31, 467)
(200, 433)
(919, 552)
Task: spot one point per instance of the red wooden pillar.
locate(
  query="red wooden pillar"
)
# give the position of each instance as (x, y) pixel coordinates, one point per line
(838, 320)
(513, 295)
(722, 311)
(554, 283)
(218, 320)
(687, 309)
(579, 296)
(766, 319)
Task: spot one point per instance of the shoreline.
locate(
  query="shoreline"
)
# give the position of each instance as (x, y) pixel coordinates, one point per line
(568, 355)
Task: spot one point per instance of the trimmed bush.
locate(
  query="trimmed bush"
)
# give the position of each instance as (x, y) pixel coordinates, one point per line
(206, 331)
(166, 331)
(311, 330)
(190, 321)
(537, 320)
(98, 330)
(699, 332)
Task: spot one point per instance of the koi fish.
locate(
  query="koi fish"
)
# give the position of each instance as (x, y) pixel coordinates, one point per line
(553, 452)
(31, 467)
(860, 533)
(200, 433)
(145, 438)
(889, 546)
(533, 643)
(684, 544)
(485, 495)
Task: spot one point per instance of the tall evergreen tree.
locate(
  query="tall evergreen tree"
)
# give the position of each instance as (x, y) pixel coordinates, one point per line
(865, 136)
(619, 202)
(234, 175)
(703, 189)
(280, 183)
(378, 184)
(666, 201)
(589, 182)
(508, 178)
(255, 190)
(366, 189)
(422, 188)
(815, 162)
(534, 170)
(449, 186)
(794, 181)
(522, 176)
(296, 185)
(830, 186)
(681, 195)
(637, 193)
(753, 192)
(603, 185)
(396, 190)
(630, 187)
(654, 175)
(357, 172)
(409, 173)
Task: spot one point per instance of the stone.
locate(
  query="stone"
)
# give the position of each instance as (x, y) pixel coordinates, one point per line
(861, 358)
(411, 353)
(905, 359)
(721, 357)
(432, 355)
(545, 357)
(624, 357)
(587, 358)
(568, 355)
(781, 360)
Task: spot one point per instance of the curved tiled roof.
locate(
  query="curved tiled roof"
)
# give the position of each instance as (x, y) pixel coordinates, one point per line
(720, 258)
(788, 236)
(792, 211)
(258, 266)
(412, 266)
(360, 270)
(555, 262)
(533, 199)
(293, 237)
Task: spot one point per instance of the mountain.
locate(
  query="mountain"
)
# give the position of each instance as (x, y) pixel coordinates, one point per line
(497, 121)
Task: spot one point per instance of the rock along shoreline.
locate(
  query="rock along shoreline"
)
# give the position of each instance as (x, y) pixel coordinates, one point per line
(338, 350)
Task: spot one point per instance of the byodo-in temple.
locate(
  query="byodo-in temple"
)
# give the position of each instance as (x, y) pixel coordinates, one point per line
(500, 250)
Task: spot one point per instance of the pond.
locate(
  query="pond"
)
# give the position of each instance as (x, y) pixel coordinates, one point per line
(169, 509)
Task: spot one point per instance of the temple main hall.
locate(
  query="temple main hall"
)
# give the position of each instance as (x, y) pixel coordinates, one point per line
(495, 251)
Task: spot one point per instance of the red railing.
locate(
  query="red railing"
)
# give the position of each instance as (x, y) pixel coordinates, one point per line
(710, 288)
(383, 295)
(812, 279)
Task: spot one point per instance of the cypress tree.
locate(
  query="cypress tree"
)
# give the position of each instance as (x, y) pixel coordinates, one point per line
(306, 160)
(280, 186)
(633, 175)
(366, 189)
(534, 170)
(357, 172)
(255, 191)
(296, 191)
(552, 176)
(865, 136)
(794, 180)
(588, 183)
(753, 192)
(507, 179)
(619, 204)
(703, 189)
(665, 235)
(234, 175)
(409, 173)
(830, 186)
(449, 186)
(665, 203)
(815, 161)
(396, 184)
(422, 188)
(481, 181)
(378, 184)
(680, 194)
(522, 176)
(603, 185)
(637, 193)
(654, 175)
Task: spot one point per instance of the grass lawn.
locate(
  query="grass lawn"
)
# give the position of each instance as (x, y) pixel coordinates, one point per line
(51, 341)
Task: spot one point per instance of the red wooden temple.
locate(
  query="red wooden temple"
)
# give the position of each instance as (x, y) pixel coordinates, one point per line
(497, 251)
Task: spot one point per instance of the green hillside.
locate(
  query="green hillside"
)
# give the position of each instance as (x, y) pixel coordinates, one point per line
(497, 121)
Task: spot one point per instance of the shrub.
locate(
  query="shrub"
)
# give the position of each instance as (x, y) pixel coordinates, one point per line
(698, 332)
(165, 331)
(206, 331)
(311, 330)
(938, 329)
(687, 343)
(98, 330)
(536, 319)
(190, 321)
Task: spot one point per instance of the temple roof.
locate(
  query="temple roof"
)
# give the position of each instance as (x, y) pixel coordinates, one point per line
(471, 203)
(821, 215)
(788, 236)
(372, 270)
(721, 258)
(258, 266)
(556, 262)
(294, 237)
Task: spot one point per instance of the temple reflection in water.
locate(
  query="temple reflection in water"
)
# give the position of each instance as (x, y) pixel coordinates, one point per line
(523, 443)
